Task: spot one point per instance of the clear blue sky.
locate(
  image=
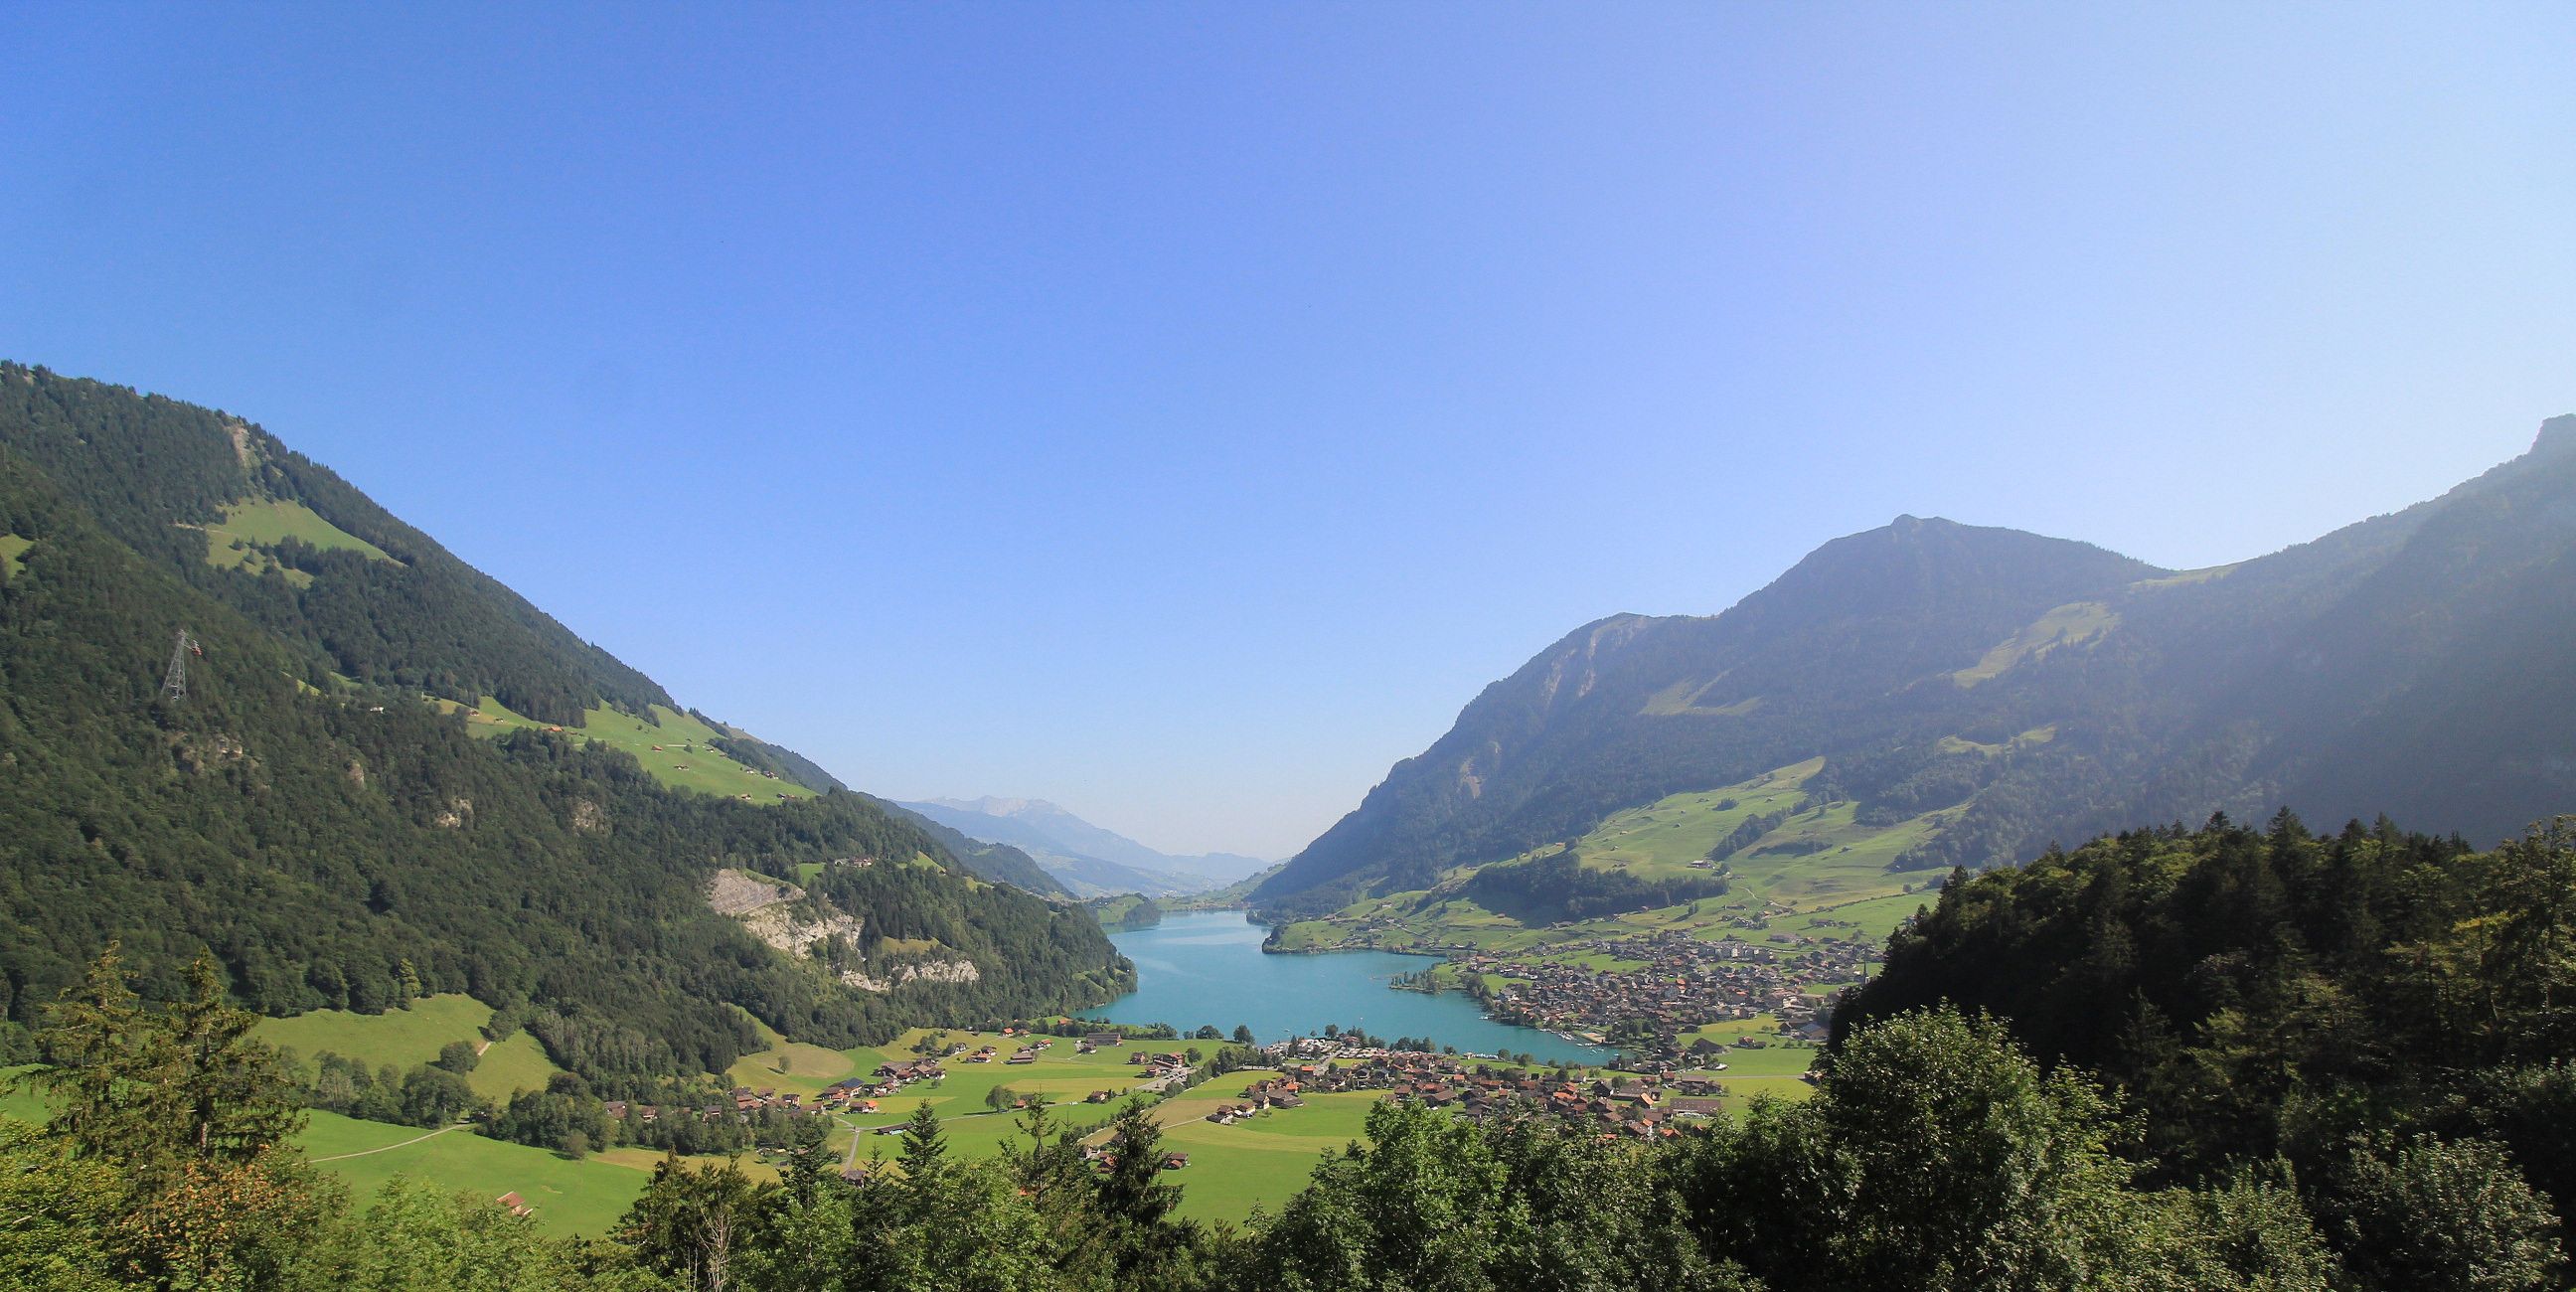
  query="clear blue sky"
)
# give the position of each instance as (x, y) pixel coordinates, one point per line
(1181, 411)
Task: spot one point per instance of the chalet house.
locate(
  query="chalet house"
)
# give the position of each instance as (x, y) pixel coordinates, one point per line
(517, 1205)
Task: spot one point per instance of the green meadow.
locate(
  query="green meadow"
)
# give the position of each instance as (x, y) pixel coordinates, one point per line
(13, 554)
(240, 540)
(1817, 873)
(406, 1037)
(2067, 625)
(676, 748)
(1257, 1163)
(570, 1197)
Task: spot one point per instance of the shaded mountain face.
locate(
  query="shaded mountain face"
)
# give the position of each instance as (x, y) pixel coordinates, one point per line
(379, 783)
(1090, 860)
(2047, 689)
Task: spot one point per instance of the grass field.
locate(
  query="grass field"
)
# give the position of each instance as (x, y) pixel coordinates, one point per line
(237, 542)
(405, 1037)
(1820, 872)
(1234, 1170)
(1256, 1163)
(570, 1197)
(13, 554)
(2067, 625)
(18, 1101)
(677, 751)
(511, 1066)
(975, 1130)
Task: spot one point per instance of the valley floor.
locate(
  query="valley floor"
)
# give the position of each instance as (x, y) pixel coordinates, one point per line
(1809, 901)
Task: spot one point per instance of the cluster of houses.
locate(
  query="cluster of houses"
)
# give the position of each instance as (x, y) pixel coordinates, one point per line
(1027, 1052)
(1104, 1157)
(853, 1096)
(1260, 1097)
(1687, 982)
(1645, 1106)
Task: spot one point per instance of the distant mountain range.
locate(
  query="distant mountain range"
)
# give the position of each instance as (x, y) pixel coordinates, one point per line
(2030, 689)
(1085, 858)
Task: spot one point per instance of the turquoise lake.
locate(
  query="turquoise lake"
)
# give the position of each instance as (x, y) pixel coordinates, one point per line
(1206, 967)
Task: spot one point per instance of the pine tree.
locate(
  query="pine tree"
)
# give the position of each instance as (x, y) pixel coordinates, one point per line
(925, 1145)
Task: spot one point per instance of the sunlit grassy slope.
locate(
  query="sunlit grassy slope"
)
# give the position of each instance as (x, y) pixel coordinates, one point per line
(2067, 625)
(405, 1037)
(675, 747)
(13, 554)
(1817, 870)
(570, 1197)
(237, 542)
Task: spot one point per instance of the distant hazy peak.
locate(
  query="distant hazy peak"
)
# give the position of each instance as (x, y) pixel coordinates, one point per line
(995, 805)
(2557, 435)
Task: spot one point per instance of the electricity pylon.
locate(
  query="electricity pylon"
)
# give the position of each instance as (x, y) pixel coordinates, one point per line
(174, 684)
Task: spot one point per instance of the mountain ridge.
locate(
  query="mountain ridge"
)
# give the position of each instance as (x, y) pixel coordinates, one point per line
(1093, 860)
(2174, 693)
(342, 810)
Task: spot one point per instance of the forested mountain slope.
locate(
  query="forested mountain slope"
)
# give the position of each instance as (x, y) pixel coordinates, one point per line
(338, 839)
(2043, 688)
(999, 862)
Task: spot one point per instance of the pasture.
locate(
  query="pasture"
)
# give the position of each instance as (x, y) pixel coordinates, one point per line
(406, 1037)
(570, 1197)
(240, 540)
(676, 748)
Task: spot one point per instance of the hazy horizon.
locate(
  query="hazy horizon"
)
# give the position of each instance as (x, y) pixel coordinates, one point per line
(1179, 415)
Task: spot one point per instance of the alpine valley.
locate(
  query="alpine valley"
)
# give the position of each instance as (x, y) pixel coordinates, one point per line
(1086, 859)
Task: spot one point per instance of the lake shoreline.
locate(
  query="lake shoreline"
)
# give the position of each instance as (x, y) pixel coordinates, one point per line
(1214, 969)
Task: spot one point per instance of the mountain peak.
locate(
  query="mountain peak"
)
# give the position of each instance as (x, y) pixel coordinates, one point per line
(1914, 561)
(2557, 435)
(996, 805)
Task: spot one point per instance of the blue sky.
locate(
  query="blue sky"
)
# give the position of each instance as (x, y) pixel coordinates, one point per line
(1179, 412)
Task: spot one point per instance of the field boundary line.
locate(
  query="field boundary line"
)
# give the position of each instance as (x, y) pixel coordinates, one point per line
(387, 1148)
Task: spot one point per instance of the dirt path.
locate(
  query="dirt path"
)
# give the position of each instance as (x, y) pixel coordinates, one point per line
(342, 1157)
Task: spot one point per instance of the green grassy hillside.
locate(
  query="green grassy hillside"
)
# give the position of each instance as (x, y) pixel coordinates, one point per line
(570, 1197)
(1819, 870)
(678, 749)
(407, 1037)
